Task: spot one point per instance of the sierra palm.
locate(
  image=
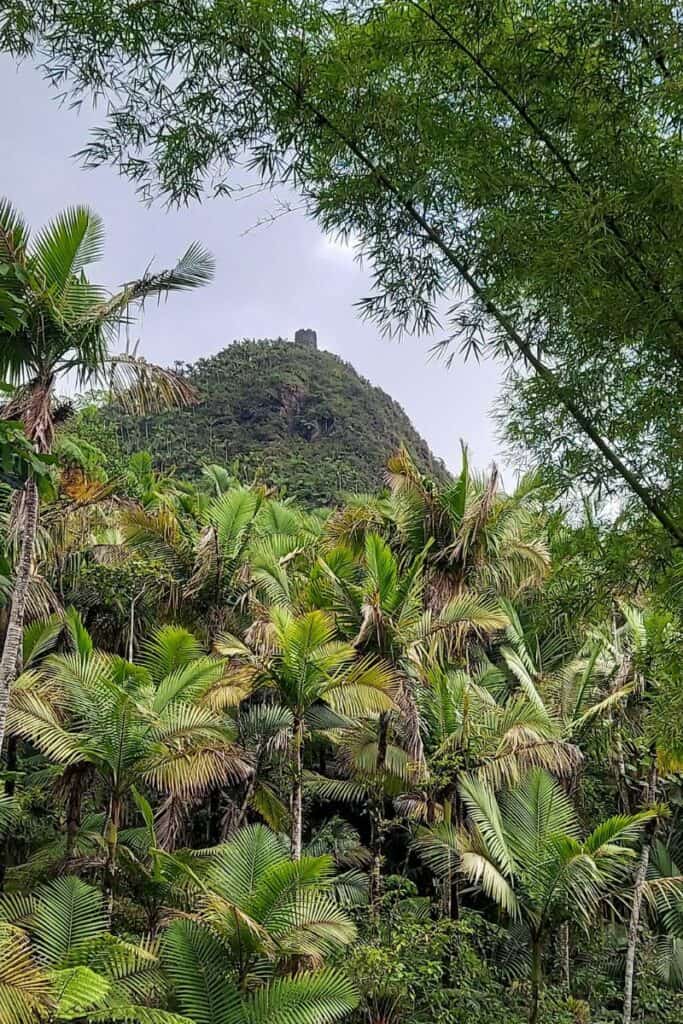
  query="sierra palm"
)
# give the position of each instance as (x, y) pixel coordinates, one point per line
(483, 541)
(523, 851)
(372, 767)
(59, 962)
(378, 599)
(55, 324)
(469, 728)
(263, 929)
(300, 658)
(161, 722)
(377, 603)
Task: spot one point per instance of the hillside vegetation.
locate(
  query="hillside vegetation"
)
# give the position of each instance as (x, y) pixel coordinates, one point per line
(295, 726)
(296, 417)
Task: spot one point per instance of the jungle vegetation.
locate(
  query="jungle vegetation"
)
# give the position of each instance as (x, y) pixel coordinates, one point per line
(408, 747)
(415, 753)
(287, 415)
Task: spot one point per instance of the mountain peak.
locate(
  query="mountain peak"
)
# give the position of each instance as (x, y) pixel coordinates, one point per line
(290, 414)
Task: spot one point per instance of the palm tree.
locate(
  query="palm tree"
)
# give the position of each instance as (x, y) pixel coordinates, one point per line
(664, 891)
(633, 650)
(59, 962)
(483, 541)
(372, 768)
(264, 729)
(161, 722)
(523, 851)
(377, 603)
(233, 549)
(471, 727)
(264, 928)
(300, 658)
(378, 599)
(57, 324)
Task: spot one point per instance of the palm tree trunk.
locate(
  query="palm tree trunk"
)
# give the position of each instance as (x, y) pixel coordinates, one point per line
(74, 804)
(297, 798)
(620, 768)
(10, 785)
(565, 958)
(376, 814)
(376, 845)
(382, 740)
(638, 890)
(28, 524)
(452, 802)
(536, 979)
(244, 807)
(111, 838)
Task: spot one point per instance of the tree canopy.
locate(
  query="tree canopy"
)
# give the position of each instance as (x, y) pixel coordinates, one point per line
(508, 169)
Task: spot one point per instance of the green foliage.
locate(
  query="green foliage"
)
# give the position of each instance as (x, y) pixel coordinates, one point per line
(89, 425)
(19, 460)
(415, 663)
(286, 415)
(486, 691)
(543, 231)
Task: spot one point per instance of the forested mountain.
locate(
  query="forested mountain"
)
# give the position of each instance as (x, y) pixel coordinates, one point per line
(297, 417)
(256, 754)
(295, 727)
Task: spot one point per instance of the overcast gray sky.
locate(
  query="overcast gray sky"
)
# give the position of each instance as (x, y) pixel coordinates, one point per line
(269, 281)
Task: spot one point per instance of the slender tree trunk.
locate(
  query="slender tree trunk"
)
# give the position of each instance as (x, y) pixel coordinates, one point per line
(565, 958)
(636, 906)
(248, 793)
(376, 814)
(28, 522)
(453, 807)
(73, 812)
(622, 781)
(382, 740)
(536, 979)
(297, 783)
(376, 845)
(111, 838)
(10, 786)
(213, 824)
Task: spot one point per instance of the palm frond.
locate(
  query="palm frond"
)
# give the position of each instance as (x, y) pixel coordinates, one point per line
(308, 998)
(25, 988)
(68, 912)
(141, 388)
(196, 964)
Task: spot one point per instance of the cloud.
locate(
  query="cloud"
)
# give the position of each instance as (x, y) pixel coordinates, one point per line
(337, 250)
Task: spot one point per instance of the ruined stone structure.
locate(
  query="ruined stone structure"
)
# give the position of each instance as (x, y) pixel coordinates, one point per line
(306, 338)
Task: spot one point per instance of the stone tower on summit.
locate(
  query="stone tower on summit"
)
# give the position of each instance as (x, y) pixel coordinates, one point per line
(306, 338)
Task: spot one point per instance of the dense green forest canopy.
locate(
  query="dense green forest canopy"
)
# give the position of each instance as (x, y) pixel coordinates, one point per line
(274, 754)
(412, 756)
(296, 417)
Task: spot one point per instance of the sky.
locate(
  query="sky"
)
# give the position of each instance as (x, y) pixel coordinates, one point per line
(270, 279)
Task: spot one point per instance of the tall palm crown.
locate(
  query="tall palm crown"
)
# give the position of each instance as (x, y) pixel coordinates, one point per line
(470, 728)
(256, 949)
(313, 674)
(161, 721)
(482, 540)
(523, 850)
(54, 321)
